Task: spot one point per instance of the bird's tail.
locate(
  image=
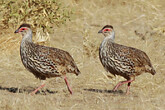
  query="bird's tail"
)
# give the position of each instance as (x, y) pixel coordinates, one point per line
(150, 69)
(153, 72)
(77, 71)
(73, 69)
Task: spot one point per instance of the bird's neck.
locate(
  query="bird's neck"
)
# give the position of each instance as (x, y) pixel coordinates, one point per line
(108, 40)
(27, 37)
(110, 37)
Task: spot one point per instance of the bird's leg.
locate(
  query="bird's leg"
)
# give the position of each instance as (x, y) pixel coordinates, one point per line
(69, 88)
(118, 85)
(129, 84)
(41, 86)
(127, 91)
(123, 82)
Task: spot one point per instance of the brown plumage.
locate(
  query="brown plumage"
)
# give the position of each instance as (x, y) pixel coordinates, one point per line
(44, 62)
(122, 60)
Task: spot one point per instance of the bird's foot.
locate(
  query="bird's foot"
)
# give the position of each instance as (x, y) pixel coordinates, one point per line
(34, 92)
(127, 92)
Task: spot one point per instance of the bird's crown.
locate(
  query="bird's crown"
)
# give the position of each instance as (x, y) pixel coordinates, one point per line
(25, 25)
(107, 26)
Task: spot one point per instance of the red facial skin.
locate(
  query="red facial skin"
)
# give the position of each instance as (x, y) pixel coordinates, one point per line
(22, 29)
(106, 29)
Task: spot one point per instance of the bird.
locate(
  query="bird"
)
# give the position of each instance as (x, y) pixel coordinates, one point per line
(121, 60)
(44, 62)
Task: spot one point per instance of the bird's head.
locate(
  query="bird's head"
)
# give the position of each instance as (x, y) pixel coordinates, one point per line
(23, 29)
(108, 31)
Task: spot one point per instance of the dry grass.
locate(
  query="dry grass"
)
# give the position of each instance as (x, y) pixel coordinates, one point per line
(42, 14)
(92, 89)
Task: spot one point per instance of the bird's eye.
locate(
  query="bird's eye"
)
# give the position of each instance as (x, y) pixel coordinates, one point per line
(105, 30)
(22, 29)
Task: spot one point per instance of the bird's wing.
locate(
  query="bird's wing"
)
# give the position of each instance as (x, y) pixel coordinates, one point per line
(59, 59)
(137, 57)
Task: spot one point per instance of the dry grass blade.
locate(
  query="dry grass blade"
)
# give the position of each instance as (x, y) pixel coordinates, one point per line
(40, 13)
(92, 89)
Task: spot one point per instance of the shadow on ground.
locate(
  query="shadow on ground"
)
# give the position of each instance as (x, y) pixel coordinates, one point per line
(26, 90)
(105, 91)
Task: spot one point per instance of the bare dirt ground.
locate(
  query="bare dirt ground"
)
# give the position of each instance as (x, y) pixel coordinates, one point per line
(137, 23)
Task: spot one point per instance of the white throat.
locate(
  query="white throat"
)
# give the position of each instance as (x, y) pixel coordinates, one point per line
(110, 36)
(27, 36)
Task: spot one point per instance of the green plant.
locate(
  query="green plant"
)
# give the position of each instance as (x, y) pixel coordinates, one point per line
(40, 13)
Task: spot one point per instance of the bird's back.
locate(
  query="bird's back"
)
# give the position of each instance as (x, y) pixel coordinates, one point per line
(48, 62)
(123, 60)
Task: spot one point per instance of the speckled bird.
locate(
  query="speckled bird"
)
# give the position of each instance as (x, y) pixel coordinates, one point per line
(121, 60)
(44, 62)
